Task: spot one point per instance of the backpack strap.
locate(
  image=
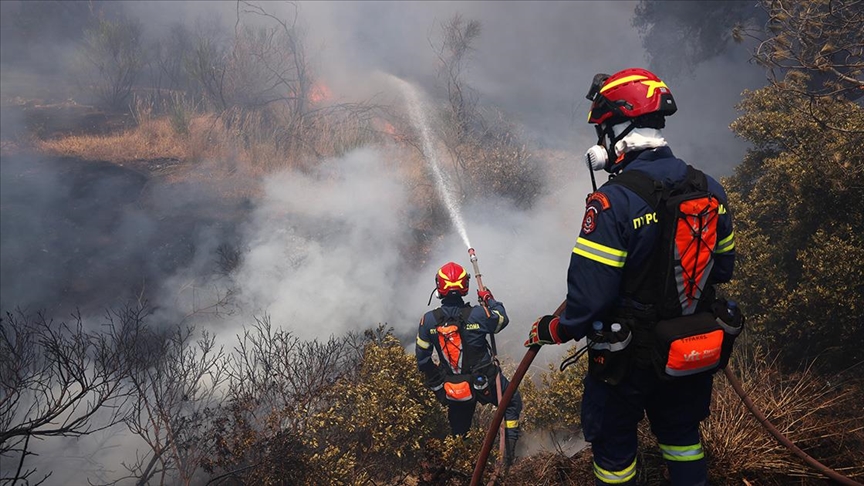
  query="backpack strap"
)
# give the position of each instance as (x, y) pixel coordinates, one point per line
(438, 314)
(695, 180)
(653, 191)
(461, 318)
(643, 185)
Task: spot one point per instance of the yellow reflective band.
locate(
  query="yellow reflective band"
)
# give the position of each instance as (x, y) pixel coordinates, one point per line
(725, 249)
(616, 477)
(682, 453)
(500, 321)
(600, 253)
(726, 244)
(423, 344)
(625, 79)
(511, 424)
(652, 85)
(721, 209)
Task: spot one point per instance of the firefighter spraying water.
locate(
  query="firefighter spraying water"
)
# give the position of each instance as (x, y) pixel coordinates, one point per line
(467, 372)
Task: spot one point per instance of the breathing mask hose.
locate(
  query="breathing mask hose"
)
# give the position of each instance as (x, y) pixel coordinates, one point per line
(472, 255)
(502, 406)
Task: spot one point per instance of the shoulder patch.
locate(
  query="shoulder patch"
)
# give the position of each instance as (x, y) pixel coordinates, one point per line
(598, 197)
(589, 221)
(595, 202)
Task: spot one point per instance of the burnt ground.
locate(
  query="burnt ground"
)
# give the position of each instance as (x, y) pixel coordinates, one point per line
(86, 234)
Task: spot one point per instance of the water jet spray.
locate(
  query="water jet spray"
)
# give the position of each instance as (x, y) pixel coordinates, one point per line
(417, 113)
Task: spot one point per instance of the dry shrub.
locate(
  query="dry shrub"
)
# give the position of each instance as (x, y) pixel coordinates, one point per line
(450, 461)
(247, 139)
(557, 401)
(548, 469)
(821, 415)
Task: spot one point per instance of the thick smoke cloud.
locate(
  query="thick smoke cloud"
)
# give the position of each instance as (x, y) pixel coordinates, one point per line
(323, 250)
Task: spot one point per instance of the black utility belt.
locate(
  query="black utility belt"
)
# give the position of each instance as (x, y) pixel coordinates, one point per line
(673, 348)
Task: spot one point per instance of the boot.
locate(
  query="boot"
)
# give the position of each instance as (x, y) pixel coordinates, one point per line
(510, 451)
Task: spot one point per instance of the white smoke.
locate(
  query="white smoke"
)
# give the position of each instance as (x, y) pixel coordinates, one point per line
(323, 250)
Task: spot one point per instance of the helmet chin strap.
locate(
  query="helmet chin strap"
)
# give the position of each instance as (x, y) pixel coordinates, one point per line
(610, 149)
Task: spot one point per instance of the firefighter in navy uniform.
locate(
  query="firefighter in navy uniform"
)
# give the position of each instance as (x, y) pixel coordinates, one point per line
(610, 279)
(466, 373)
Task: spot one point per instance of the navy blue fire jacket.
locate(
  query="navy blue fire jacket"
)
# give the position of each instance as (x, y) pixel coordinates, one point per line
(477, 327)
(618, 230)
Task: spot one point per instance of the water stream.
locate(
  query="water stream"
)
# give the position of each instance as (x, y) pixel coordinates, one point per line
(417, 111)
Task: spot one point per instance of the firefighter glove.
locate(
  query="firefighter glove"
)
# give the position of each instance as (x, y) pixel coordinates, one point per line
(434, 379)
(484, 296)
(441, 396)
(545, 330)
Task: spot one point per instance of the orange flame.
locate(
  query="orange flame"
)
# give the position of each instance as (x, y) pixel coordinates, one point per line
(319, 93)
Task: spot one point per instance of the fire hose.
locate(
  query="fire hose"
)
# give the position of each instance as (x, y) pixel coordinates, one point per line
(736, 385)
(502, 405)
(477, 275)
(834, 475)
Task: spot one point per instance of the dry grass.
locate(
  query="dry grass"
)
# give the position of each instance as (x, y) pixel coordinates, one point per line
(255, 142)
(821, 415)
(154, 139)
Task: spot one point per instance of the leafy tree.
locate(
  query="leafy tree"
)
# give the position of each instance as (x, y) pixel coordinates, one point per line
(679, 35)
(798, 233)
(823, 40)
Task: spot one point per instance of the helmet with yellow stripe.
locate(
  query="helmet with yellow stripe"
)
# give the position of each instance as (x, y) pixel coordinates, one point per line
(629, 99)
(451, 279)
(628, 94)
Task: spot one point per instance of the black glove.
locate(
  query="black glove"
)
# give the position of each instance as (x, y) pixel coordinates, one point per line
(434, 378)
(441, 396)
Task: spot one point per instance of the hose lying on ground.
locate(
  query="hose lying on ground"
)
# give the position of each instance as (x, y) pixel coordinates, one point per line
(834, 475)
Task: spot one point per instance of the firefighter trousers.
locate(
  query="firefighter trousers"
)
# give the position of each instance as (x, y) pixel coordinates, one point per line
(610, 415)
(461, 415)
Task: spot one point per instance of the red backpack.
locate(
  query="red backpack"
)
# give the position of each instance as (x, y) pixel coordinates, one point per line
(686, 333)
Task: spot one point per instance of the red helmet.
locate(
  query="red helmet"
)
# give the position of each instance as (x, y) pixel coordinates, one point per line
(452, 278)
(628, 94)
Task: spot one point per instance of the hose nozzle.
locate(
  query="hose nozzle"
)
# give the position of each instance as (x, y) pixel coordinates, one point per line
(472, 255)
